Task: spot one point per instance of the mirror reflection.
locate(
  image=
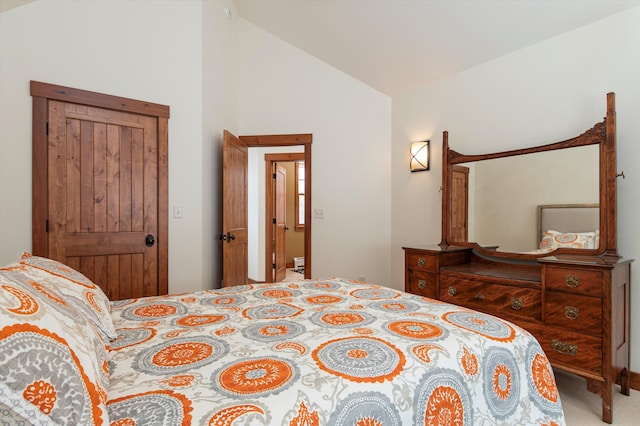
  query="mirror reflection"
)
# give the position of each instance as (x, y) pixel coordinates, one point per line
(503, 195)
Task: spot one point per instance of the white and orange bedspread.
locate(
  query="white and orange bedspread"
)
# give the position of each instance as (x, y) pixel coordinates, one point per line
(322, 352)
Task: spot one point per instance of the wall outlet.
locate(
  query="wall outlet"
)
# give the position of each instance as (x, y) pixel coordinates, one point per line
(362, 278)
(318, 213)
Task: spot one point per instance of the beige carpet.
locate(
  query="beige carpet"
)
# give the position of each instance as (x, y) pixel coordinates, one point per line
(582, 408)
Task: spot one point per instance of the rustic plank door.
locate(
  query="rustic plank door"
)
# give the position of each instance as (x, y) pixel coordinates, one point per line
(235, 263)
(460, 201)
(279, 225)
(106, 197)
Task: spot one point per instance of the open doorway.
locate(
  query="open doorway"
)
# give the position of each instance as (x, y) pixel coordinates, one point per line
(294, 147)
(284, 216)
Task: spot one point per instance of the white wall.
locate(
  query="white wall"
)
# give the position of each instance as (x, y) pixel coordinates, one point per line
(220, 112)
(152, 51)
(284, 90)
(548, 92)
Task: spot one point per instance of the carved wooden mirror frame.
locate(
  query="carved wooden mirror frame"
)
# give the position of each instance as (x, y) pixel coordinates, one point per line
(602, 134)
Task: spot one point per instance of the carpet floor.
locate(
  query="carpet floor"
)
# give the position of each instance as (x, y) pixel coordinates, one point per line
(582, 408)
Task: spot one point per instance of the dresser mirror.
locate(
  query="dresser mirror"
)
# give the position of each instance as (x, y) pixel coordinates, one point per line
(497, 210)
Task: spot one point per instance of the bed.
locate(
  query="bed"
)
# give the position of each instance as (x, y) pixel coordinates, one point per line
(309, 352)
(568, 225)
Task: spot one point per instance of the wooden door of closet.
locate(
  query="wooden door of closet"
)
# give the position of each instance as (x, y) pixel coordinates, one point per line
(104, 208)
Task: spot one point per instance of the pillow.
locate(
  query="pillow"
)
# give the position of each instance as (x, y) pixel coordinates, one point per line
(553, 239)
(53, 368)
(76, 289)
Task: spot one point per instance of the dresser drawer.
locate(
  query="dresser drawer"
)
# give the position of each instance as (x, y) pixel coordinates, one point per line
(496, 299)
(576, 351)
(579, 313)
(421, 262)
(422, 283)
(575, 280)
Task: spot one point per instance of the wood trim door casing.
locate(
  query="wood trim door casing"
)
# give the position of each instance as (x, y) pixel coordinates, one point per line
(305, 140)
(41, 94)
(270, 159)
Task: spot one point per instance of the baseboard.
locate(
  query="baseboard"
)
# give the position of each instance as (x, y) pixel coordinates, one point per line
(634, 380)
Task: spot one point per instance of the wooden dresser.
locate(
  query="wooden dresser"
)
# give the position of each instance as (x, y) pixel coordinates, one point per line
(576, 306)
(574, 296)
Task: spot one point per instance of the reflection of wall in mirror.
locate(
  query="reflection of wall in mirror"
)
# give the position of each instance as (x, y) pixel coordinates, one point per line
(505, 193)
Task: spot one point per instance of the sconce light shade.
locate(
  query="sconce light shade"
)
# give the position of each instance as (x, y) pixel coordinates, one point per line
(419, 156)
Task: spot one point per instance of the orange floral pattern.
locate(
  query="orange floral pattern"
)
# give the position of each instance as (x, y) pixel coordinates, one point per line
(42, 395)
(543, 378)
(197, 320)
(311, 353)
(227, 416)
(255, 376)
(305, 417)
(28, 305)
(415, 329)
(445, 407)
(469, 362)
(182, 353)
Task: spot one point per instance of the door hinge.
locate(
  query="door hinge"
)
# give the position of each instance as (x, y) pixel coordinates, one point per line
(274, 220)
(274, 175)
(273, 266)
(47, 128)
(46, 225)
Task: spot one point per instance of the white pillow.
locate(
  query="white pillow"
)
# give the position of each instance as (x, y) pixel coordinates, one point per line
(553, 239)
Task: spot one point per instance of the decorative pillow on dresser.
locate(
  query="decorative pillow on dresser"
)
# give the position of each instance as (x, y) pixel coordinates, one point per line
(53, 363)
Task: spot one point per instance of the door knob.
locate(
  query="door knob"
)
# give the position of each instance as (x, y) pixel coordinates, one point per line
(149, 240)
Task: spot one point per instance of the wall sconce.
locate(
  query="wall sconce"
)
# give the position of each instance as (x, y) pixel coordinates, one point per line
(419, 156)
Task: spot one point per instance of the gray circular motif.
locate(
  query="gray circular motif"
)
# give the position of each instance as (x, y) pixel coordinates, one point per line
(375, 293)
(273, 331)
(179, 355)
(365, 408)
(501, 384)
(233, 289)
(274, 293)
(477, 322)
(130, 337)
(28, 357)
(539, 376)
(273, 311)
(394, 306)
(224, 301)
(321, 285)
(148, 409)
(442, 392)
(360, 359)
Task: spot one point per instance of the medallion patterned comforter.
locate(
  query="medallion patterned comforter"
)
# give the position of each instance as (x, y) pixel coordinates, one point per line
(322, 352)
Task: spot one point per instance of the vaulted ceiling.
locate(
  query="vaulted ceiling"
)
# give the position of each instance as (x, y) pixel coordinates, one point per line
(397, 45)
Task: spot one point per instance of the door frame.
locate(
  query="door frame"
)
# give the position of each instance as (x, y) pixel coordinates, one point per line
(305, 140)
(269, 209)
(41, 94)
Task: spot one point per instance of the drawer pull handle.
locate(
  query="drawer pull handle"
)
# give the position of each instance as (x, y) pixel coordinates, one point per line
(572, 281)
(564, 348)
(479, 296)
(422, 283)
(421, 261)
(516, 303)
(452, 291)
(571, 312)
